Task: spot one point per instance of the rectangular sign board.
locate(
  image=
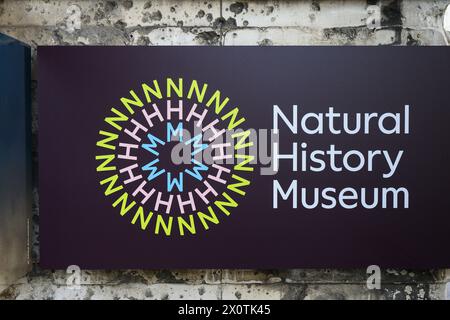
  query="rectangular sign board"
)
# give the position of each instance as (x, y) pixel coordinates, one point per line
(15, 160)
(244, 157)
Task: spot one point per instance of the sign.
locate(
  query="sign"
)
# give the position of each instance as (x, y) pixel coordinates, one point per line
(244, 157)
(15, 160)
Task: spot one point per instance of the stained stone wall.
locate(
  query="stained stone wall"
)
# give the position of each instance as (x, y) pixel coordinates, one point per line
(145, 22)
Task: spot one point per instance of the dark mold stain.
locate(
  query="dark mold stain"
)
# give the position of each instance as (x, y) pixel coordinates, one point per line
(105, 9)
(412, 276)
(147, 5)
(89, 294)
(295, 292)
(132, 277)
(265, 42)
(238, 7)
(85, 18)
(200, 14)
(59, 37)
(348, 32)
(148, 293)
(208, 37)
(110, 6)
(219, 22)
(223, 24)
(127, 4)
(166, 276)
(153, 16)
(411, 291)
(120, 25)
(9, 294)
(144, 41)
(398, 35)
(391, 13)
(165, 297)
(315, 5)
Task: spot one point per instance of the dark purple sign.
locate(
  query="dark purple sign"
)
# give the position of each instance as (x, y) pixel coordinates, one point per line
(244, 157)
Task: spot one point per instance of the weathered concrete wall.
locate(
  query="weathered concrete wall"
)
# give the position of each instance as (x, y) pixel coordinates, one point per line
(144, 22)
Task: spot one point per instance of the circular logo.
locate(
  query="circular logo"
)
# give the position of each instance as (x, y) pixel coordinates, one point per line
(173, 157)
